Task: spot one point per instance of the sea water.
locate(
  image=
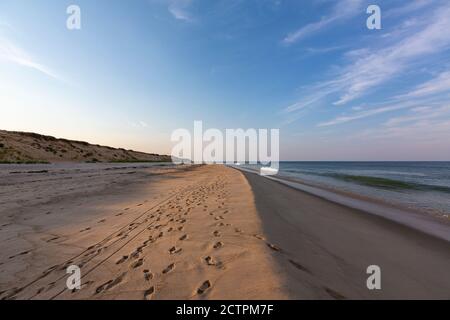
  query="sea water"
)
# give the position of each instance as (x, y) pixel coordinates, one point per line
(423, 186)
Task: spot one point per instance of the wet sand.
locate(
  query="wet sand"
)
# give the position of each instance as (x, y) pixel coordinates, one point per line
(199, 232)
(325, 248)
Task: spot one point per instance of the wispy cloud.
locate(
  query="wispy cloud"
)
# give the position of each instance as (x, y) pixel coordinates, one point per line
(439, 84)
(377, 68)
(178, 9)
(342, 10)
(371, 67)
(412, 6)
(426, 92)
(432, 127)
(11, 53)
(324, 50)
(420, 114)
(367, 113)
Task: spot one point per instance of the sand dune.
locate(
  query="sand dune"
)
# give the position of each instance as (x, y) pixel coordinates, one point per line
(27, 147)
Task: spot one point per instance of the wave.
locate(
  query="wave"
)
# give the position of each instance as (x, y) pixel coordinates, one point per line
(385, 183)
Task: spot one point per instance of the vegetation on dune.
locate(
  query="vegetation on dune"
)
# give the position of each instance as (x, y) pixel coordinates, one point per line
(28, 147)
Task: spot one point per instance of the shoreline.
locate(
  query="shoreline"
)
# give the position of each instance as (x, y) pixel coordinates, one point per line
(416, 219)
(325, 248)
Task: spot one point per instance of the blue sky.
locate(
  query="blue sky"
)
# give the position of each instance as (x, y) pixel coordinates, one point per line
(139, 69)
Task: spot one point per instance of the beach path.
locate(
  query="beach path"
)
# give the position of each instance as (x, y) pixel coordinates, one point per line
(189, 233)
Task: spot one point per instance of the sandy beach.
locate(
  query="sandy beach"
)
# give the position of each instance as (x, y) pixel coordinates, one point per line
(146, 231)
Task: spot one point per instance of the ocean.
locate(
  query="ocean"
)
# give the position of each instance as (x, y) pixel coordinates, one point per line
(423, 186)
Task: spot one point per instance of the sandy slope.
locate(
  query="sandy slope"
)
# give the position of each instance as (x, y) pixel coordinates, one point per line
(31, 147)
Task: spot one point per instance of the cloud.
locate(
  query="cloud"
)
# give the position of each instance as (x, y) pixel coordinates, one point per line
(11, 53)
(420, 114)
(367, 113)
(343, 10)
(428, 90)
(178, 9)
(429, 129)
(439, 84)
(412, 6)
(324, 50)
(377, 68)
(427, 108)
(369, 69)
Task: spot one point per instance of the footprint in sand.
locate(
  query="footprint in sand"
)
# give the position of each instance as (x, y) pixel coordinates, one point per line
(210, 261)
(122, 260)
(184, 237)
(149, 293)
(218, 245)
(205, 286)
(148, 275)
(169, 268)
(135, 255)
(137, 264)
(260, 237)
(110, 284)
(174, 250)
(216, 233)
(274, 247)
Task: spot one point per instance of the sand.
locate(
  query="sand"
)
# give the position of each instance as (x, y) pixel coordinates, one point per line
(29, 147)
(182, 234)
(198, 232)
(325, 248)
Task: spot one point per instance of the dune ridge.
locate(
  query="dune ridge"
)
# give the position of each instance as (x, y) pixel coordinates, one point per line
(28, 147)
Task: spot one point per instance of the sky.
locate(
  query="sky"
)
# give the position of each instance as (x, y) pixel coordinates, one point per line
(139, 69)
